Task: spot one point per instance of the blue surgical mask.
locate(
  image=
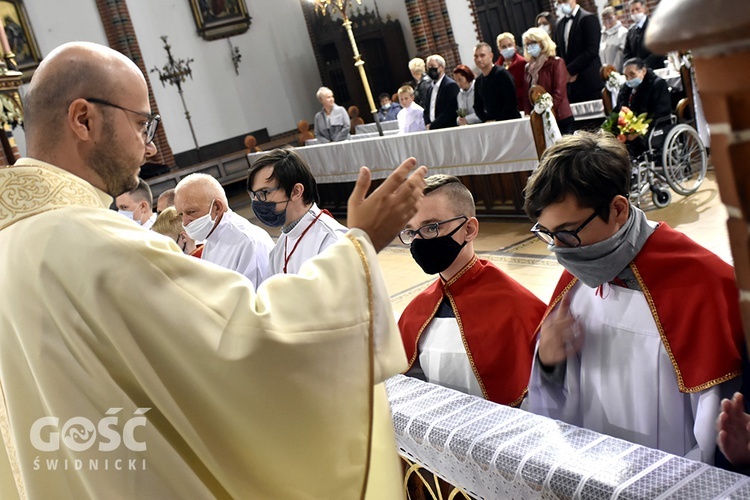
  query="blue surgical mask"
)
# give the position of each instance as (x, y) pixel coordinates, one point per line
(566, 9)
(266, 212)
(534, 49)
(508, 53)
(634, 82)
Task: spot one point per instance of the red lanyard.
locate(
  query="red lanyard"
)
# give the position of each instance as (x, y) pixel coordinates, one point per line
(287, 257)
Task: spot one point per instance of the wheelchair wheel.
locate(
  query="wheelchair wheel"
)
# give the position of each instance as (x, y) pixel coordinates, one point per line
(684, 159)
(661, 197)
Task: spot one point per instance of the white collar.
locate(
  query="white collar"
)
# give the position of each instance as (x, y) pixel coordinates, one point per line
(643, 21)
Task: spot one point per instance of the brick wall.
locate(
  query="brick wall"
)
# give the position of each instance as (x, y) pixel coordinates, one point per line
(432, 30)
(121, 37)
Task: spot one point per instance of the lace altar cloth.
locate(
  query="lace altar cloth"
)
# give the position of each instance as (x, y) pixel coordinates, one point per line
(494, 452)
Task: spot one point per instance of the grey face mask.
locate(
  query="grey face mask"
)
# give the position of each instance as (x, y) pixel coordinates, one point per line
(601, 262)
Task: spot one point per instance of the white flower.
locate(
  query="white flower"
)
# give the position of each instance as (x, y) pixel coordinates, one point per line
(615, 81)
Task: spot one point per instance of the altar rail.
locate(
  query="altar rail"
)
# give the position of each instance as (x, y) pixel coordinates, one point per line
(493, 452)
(493, 159)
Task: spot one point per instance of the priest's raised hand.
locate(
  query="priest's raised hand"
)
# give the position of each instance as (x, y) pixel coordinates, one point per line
(387, 210)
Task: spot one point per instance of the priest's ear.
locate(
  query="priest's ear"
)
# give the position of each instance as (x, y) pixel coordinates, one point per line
(472, 229)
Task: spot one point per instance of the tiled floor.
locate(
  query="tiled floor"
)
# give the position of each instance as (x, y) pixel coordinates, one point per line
(509, 244)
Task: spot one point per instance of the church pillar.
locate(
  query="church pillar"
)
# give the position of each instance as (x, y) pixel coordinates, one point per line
(121, 37)
(718, 34)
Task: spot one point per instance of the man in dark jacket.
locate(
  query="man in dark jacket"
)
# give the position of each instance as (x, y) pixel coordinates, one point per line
(635, 40)
(440, 104)
(578, 36)
(494, 91)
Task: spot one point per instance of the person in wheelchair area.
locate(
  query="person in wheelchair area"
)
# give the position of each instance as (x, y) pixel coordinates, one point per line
(644, 92)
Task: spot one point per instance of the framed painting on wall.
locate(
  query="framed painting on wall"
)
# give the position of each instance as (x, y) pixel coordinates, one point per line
(220, 18)
(20, 36)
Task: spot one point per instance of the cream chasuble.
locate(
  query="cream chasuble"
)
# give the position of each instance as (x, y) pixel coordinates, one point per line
(130, 370)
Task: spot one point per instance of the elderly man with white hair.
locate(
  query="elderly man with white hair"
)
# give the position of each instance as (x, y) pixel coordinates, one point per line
(231, 241)
(441, 102)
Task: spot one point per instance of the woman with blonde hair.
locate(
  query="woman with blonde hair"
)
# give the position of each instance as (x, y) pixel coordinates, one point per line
(421, 83)
(169, 223)
(546, 69)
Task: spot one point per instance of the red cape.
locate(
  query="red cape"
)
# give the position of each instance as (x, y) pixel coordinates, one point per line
(496, 317)
(693, 297)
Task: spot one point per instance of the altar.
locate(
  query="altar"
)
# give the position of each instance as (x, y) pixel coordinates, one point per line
(493, 160)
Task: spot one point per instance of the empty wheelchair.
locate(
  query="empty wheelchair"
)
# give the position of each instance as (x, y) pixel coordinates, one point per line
(675, 158)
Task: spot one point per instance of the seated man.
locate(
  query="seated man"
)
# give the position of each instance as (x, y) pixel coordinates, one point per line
(448, 338)
(494, 91)
(411, 116)
(136, 205)
(282, 176)
(231, 241)
(642, 337)
(388, 110)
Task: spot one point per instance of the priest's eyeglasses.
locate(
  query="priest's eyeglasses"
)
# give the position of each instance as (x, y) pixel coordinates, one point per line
(426, 232)
(567, 238)
(262, 194)
(152, 120)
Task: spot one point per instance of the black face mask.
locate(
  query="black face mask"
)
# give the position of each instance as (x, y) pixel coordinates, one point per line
(437, 254)
(433, 73)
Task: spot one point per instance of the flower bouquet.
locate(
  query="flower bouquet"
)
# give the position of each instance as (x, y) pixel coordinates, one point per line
(461, 112)
(543, 107)
(614, 81)
(625, 125)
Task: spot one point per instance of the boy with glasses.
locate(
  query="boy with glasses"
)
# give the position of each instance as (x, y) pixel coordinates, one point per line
(473, 329)
(642, 337)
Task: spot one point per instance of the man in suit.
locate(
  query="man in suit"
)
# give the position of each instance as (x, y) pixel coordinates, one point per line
(577, 38)
(440, 104)
(635, 42)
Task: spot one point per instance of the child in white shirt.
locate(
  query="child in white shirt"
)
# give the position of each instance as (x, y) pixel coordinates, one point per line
(411, 117)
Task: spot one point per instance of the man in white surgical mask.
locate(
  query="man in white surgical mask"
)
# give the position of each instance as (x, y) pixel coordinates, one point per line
(231, 241)
(635, 45)
(136, 205)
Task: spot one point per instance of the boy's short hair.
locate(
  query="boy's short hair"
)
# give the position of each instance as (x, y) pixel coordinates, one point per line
(458, 195)
(593, 167)
(406, 89)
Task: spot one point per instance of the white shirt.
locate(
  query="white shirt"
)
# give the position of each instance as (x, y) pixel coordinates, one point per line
(150, 221)
(623, 383)
(568, 25)
(241, 246)
(411, 119)
(612, 45)
(433, 97)
(443, 359)
(296, 248)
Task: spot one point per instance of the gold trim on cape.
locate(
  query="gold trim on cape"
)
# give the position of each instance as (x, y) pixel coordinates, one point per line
(371, 360)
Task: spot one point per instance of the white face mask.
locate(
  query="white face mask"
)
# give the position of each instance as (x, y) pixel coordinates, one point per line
(127, 214)
(566, 9)
(638, 17)
(546, 28)
(199, 229)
